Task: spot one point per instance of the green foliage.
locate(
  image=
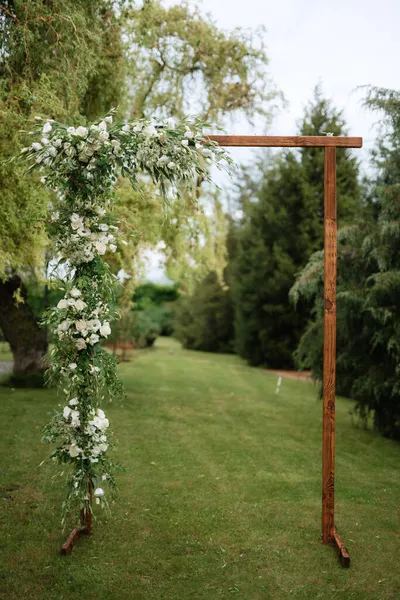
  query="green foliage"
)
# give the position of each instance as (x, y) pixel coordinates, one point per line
(180, 63)
(368, 287)
(281, 227)
(204, 320)
(154, 293)
(50, 55)
(322, 117)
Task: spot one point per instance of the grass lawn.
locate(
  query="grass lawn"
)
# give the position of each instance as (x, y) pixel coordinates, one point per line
(221, 497)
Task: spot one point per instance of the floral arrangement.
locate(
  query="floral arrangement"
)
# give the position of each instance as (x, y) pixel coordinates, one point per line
(82, 165)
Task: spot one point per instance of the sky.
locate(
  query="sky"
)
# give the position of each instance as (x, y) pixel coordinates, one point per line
(341, 44)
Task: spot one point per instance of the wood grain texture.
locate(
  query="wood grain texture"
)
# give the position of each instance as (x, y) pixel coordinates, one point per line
(329, 373)
(73, 537)
(291, 141)
(341, 549)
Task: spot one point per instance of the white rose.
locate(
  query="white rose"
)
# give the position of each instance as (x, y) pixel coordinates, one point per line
(171, 123)
(113, 247)
(138, 127)
(108, 119)
(95, 324)
(72, 366)
(71, 302)
(189, 134)
(185, 143)
(75, 293)
(198, 146)
(80, 344)
(71, 130)
(44, 141)
(100, 247)
(80, 304)
(65, 325)
(103, 126)
(98, 492)
(74, 450)
(57, 143)
(150, 131)
(104, 135)
(103, 447)
(126, 128)
(73, 401)
(94, 338)
(103, 227)
(171, 165)
(81, 131)
(105, 329)
(100, 413)
(66, 412)
(62, 304)
(82, 326)
(36, 146)
(104, 477)
(163, 160)
(52, 151)
(100, 211)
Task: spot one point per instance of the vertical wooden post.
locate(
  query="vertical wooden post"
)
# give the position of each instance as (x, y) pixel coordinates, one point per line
(328, 421)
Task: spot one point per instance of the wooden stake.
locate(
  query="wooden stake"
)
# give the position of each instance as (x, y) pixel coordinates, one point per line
(328, 420)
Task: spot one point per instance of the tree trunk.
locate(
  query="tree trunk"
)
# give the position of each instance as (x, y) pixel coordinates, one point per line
(21, 330)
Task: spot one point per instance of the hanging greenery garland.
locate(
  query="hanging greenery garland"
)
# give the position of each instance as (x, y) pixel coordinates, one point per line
(82, 165)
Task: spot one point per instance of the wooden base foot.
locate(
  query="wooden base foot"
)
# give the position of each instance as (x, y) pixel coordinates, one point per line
(73, 537)
(85, 529)
(341, 549)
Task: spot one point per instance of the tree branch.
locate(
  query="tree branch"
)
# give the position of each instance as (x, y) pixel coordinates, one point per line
(10, 15)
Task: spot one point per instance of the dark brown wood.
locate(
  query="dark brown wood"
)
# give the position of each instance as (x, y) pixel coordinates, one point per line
(71, 539)
(291, 141)
(329, 373)
(86, 525)
(86, 513)
(341, 549)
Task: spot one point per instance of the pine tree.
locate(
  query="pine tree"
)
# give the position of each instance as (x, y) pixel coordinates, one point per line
(368, 342)
(282, 227)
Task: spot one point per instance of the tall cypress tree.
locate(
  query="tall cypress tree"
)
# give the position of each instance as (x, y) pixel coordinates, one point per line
(282, 227)
(368, 287)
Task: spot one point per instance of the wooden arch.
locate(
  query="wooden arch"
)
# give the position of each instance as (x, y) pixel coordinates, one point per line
(329, 143)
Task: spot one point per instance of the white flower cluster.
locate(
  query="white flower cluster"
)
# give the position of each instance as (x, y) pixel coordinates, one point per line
(87, 237)
(95, 439)
(85, 329)
(81, 143)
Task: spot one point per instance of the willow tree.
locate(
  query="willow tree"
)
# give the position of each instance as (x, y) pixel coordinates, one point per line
(74, 63)
(52, 58)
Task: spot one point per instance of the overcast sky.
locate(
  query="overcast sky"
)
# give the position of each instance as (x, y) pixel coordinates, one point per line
(343, 44)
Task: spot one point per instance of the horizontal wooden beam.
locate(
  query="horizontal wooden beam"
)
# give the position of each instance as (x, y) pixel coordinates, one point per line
(287, 141)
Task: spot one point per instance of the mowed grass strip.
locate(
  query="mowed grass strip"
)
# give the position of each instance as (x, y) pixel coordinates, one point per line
(220, 499)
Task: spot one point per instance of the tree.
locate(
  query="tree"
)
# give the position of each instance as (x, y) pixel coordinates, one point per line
(273, 242)
(75, 61)
(53, 58)
(368, 287)
(322, 117)
(281, 227)
(204, 320)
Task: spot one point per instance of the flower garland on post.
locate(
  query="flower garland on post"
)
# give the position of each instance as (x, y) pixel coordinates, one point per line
(81, 165)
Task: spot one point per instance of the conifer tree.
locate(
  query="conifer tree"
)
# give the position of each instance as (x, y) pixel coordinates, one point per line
(281, 228)
(368, 342)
